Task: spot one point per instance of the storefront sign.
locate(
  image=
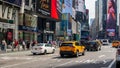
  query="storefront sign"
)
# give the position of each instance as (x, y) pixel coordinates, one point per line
(7, 25)
(26, 28)
(45, 31)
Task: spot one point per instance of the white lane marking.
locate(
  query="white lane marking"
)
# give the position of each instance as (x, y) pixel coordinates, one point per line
(94, 62)
(63, 64)
(80, 61)
(111, 64)
(87, 61)
(104, 61)
(101, 56)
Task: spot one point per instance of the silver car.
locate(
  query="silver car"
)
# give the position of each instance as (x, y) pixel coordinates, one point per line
(43, 48)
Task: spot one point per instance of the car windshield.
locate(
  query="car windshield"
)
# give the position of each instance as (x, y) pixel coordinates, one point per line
(92, 43)
(67, 44)
(41, 44)
(104, 40)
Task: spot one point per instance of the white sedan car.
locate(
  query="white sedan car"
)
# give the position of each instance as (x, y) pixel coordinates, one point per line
(43, 48)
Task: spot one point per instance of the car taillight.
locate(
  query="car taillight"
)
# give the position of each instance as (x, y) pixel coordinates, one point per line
(118, 51)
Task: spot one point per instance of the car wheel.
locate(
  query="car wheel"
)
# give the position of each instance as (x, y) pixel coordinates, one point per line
(88, 50)
(53, 51)
(97, 49)
(45, 52)
(117, 64)
(61, 55)
(34, 53)
(77, 54)
(83, 53)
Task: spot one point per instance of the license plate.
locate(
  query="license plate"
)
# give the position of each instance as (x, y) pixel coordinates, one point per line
(35, 48)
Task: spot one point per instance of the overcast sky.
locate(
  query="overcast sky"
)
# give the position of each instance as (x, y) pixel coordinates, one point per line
(90, 4)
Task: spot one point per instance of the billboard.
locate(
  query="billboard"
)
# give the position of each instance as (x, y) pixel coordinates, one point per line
(111, 17)
(16, 2)
(67, 6)
(80, 5)
(44, 7)
(56, 9)
(59, 8)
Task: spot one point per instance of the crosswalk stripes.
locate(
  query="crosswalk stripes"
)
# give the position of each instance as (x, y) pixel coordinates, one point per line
(93, 61)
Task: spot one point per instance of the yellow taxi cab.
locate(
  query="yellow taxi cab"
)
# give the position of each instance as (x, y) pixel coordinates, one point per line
(72, 48)
(115, 43)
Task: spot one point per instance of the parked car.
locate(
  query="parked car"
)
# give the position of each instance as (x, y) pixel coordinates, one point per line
(105, 41)
(71, 48)
(115, 43)
(118, 57)
(93, 45)
(43, 48)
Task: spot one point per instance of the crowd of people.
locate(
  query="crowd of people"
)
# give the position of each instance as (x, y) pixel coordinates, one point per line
(17, 45)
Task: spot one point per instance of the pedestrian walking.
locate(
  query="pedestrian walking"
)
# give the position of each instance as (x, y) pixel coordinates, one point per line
(3, 45)
(15, 45)
(23, 45)
(28, 45)
(33, 43)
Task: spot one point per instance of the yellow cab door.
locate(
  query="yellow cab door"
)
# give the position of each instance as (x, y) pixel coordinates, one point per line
(79, 47)
(82, 48)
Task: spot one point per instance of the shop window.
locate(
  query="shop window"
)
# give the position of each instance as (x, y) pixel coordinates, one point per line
(28, 20)
(8, 14)
(3, 10)
(14, 14)
(27, 2)
(27, 36)
(20, 35)
(47, 26)
(20, 19)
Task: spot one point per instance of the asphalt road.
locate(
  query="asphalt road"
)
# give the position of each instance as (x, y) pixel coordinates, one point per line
(92, 59)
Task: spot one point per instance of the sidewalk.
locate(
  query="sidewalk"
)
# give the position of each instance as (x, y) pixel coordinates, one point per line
(10, 51)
